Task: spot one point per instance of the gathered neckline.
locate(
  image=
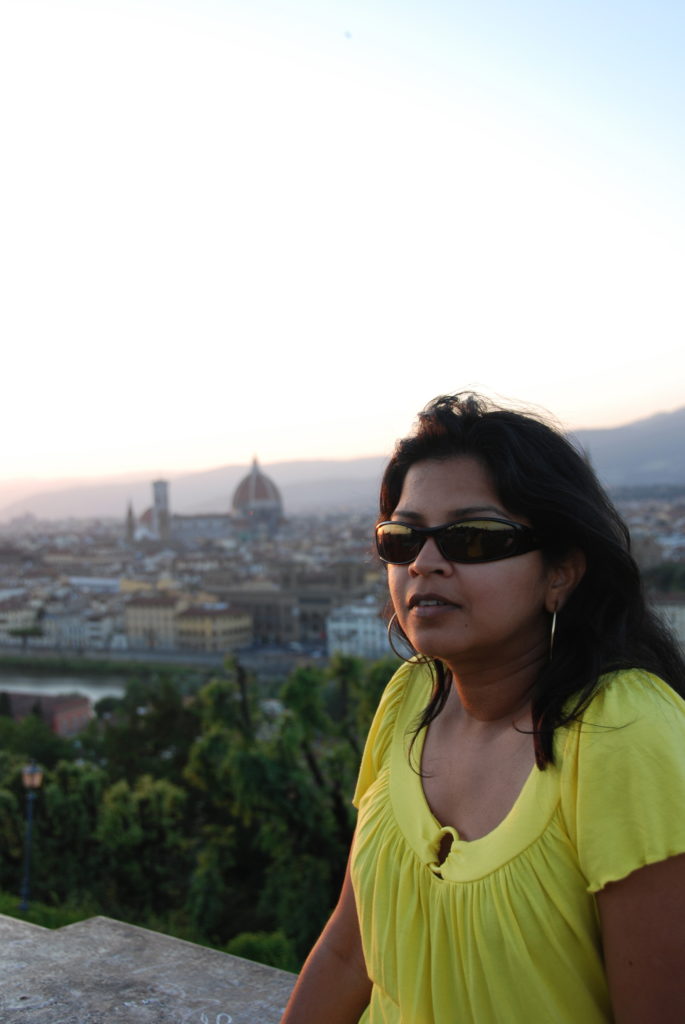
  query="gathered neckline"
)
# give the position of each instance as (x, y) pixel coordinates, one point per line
(525, 821)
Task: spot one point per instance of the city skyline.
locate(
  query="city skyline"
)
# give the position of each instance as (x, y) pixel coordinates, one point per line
(280, 230)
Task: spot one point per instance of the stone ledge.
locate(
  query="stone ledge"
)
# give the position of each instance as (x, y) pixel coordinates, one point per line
(102, 971)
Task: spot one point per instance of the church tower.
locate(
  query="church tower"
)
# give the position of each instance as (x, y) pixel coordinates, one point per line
(130, 525)
(160, 491)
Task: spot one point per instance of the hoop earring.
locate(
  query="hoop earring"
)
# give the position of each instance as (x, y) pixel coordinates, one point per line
(394, 650)
(552, 633)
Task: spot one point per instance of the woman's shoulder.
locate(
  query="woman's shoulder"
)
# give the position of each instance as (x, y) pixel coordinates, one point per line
(403, 698)
(632, 695)
(410, 686)
(623, 776)
(632, 713)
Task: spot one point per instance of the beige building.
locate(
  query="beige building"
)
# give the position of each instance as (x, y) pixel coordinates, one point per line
(150, 621)
(297, 605)
(15, 613)
(212, 627)
(272, 611)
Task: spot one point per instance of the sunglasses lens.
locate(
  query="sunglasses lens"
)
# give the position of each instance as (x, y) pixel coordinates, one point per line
(478, 541)
(469, 540)
(397, 543)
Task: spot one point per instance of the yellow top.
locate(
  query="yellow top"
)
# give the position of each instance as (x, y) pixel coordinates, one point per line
(506, 930)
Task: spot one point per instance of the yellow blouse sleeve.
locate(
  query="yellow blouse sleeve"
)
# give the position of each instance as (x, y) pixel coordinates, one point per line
(623, 778)
(380, 734)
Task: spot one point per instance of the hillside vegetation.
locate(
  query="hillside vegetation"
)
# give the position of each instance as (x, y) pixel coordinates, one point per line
(219, 817)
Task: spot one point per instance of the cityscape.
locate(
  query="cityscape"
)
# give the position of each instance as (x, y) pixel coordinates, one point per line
(248, 579)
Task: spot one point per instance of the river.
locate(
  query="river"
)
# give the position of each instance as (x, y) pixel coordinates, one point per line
(51, 684)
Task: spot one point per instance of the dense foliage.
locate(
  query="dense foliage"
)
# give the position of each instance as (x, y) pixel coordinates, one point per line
(666, 578)
(223, 817)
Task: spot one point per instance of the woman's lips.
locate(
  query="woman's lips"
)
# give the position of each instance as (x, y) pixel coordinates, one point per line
(427, 605)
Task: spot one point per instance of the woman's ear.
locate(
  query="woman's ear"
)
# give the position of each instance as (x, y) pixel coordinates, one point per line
(564, 577)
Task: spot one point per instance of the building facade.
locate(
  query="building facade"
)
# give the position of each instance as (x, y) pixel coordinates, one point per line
(358, 630)
(65, 715)
(150, 621)
(212, 628)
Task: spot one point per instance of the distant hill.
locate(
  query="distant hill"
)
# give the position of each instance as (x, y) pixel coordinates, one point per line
(644, 454)
(317, 486)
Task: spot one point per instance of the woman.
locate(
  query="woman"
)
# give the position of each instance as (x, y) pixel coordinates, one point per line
(520, 848)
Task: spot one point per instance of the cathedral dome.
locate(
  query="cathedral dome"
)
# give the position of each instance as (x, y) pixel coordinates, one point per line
(257, 498)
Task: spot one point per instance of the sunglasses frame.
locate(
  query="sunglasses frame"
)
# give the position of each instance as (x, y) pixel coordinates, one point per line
(525, 539)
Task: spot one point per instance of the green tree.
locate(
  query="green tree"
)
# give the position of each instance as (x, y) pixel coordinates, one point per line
(282, 776)
(106, 706)
(33, 739)
(667, 577)
(11, 839)
(25, 633)
(222, 814)
(271, 948)
(376, 677)
(229, 867)
(149, 731)
(144, 848)
(212, 890)
(67, 817)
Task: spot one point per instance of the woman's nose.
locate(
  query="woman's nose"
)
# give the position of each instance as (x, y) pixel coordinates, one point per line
(430, 559)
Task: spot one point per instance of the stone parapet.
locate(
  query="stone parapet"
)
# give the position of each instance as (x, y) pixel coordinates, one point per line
(102, 971)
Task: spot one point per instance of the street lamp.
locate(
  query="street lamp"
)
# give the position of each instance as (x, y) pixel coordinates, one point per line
(32, 777)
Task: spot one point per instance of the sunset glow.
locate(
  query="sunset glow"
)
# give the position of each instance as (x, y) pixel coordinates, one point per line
(233, 228)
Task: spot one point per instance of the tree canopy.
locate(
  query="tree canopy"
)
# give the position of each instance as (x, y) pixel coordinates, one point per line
(223, 816)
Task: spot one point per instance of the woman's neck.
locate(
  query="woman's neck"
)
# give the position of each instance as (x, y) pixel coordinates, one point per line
(490, 693)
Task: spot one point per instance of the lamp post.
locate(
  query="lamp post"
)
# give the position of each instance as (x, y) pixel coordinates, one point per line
(32, 777)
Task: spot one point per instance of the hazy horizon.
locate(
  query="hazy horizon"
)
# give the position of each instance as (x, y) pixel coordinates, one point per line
(171, 472)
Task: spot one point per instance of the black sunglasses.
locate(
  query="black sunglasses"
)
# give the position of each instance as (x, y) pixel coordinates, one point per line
(465, 540)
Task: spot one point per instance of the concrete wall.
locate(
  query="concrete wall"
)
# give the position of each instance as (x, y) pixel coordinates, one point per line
(101, 971)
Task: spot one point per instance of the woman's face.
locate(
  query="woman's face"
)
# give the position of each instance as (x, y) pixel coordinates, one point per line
(466, 615)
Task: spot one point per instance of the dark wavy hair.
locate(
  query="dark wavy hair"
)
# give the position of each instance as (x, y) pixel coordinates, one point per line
(605, 624)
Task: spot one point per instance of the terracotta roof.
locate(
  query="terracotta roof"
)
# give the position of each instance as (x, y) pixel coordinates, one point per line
(152, 601)
(14, 604)
(256, 490)
(24, 703)
(199, 612)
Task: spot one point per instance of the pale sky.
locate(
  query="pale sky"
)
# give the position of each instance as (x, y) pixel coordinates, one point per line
(232, 227)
